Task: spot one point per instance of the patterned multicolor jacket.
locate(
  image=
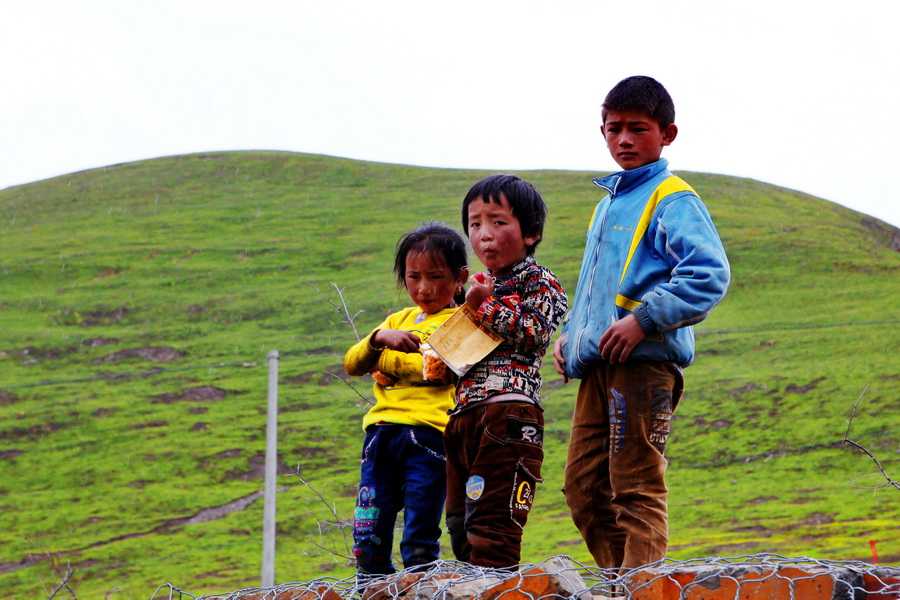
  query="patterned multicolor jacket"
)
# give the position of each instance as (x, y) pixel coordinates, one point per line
(527, 306)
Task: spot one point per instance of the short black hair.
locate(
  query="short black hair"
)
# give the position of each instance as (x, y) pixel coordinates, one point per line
(525, 201)
(641, 94)
(437, 240)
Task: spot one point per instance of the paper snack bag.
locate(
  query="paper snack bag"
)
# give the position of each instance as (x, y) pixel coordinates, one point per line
(461, 343)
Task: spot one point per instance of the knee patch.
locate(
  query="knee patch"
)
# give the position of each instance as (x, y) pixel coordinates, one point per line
(365, 516)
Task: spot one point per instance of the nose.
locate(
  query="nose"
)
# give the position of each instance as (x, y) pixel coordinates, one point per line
(427, 288)
(625, 139)
(486, 233)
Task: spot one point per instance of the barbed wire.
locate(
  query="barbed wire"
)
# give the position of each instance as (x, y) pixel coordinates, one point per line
(769, 576)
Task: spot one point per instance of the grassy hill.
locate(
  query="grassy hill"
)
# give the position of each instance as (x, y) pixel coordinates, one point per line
(138, 302)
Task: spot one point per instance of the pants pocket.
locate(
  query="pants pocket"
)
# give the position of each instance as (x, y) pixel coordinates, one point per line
(370, 444)
(524, 431)
(660, 418)
(429, 440)
(618, 420)
(521, 498)
(514, 423)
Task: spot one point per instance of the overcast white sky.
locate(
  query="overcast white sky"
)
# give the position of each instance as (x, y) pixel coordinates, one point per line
(801, 94)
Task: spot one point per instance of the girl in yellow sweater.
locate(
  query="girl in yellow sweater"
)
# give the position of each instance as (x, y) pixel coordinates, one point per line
(403, 464)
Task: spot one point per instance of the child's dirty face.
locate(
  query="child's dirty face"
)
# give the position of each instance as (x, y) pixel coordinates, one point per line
(430, 282)
(635, 139)
(496, 235)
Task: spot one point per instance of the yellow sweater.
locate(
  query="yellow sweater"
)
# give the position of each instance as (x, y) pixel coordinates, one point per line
(410, 401)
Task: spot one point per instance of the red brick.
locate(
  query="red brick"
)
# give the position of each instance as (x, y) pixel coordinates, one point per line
(881, 586)
(531, 584)
(652, 585)
(320, 592)
(758, 583)
(391, 587)
(807, 584)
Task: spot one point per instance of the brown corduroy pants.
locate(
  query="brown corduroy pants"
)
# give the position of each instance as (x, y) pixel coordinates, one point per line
(494, 455)
(615, 473)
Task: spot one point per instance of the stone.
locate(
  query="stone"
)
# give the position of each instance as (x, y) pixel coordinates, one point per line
(530, 584)
(568, 581)
(391, 587)
(747, 583)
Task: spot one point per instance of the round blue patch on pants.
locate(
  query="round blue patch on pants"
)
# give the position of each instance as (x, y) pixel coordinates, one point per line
(475, 487)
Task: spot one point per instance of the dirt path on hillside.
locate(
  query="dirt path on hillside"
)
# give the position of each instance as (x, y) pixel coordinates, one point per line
(203, 516)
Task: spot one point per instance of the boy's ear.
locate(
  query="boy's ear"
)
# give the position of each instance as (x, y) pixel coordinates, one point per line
(463, 275)
(669, 134)
(531, 240)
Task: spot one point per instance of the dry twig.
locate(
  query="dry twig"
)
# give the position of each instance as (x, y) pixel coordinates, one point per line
(64, 584)
(848, 442)
(350, 385)
(332, 508)
(348, 318)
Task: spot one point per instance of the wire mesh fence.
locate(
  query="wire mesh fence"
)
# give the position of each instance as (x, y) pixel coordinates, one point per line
(753, 577)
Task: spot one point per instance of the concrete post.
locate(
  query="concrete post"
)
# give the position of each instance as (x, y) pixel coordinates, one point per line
(268, 560)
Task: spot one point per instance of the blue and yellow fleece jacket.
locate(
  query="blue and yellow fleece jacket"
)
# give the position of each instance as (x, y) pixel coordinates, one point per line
(652, 250)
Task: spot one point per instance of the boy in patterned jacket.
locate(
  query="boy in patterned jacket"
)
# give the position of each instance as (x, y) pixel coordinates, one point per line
(494, 440)
(653, 266)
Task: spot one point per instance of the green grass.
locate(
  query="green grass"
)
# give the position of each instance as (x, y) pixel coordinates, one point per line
(226, 256)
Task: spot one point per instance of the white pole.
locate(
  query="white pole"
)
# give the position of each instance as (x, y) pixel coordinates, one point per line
(268, 561)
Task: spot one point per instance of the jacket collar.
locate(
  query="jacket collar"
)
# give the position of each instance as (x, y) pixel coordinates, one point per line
(623, 181)
(518, 267)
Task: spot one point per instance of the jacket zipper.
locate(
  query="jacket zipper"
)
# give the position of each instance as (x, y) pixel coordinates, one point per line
(589, 291)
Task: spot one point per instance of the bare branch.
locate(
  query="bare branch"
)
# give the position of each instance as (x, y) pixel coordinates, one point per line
(878, 464)
(326, 526)
(332, 508)
(348, 318)
(333, 552)
(848, 442)
(853, 411)
(64, 584)
(349, 384)
(351, 321)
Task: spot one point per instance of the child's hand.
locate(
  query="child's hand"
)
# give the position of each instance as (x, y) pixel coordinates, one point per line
(620, 339)
(559, 361)
(395, 339)
(481, 286)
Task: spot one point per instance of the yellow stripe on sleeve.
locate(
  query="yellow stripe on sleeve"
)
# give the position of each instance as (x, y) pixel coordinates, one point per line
(671, 185)
(627, 303)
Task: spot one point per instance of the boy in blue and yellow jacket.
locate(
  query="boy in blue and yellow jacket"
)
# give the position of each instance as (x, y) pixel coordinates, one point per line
(653, 266)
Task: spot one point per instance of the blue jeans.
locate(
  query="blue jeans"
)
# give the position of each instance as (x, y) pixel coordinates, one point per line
(402, 467)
